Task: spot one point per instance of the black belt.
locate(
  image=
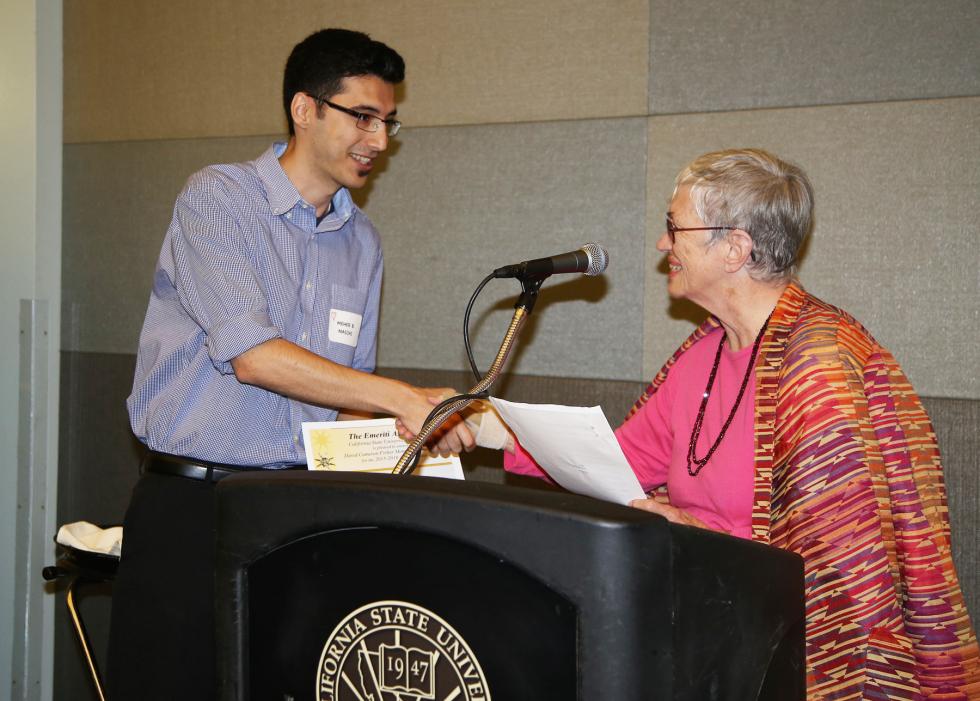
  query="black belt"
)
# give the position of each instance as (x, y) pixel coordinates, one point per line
(176, 466)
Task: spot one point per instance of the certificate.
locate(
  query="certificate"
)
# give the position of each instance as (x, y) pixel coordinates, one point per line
(371, 445)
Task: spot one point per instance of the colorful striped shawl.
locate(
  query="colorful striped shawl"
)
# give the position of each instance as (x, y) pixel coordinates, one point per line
(848, 475)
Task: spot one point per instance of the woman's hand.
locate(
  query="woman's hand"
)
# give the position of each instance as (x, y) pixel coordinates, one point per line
(671, 513)
(488, 430)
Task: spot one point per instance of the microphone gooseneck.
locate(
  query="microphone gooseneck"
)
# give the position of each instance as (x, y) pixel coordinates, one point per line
(591, 259)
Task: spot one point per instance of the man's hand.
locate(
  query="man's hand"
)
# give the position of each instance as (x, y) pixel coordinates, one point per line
(452, 437)
(671, 513)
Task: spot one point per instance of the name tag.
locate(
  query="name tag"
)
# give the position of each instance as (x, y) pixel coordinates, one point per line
(345, 327)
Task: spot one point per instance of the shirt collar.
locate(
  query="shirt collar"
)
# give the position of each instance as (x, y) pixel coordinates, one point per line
(342, 207)
(283, 195)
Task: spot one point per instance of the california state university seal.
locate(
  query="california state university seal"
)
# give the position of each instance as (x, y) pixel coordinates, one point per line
(395, 651)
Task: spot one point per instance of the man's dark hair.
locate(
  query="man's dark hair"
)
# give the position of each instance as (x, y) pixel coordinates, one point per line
(318, 64)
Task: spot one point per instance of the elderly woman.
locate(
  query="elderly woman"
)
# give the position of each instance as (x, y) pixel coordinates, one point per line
(782, 420)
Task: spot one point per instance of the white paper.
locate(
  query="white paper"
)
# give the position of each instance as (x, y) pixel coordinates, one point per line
(83, 535)
(575, 446)
(369, 445)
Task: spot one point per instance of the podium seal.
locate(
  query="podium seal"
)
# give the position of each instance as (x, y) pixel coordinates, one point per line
(386, 650)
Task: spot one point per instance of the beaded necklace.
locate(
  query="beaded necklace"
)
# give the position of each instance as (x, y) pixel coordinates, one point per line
(692, 458)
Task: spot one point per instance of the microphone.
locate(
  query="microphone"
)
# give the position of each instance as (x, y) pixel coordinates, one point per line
(590, 259)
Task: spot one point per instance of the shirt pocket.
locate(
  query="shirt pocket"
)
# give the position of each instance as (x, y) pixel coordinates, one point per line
(344, 317)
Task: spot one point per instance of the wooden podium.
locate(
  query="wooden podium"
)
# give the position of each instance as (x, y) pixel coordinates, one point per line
(338, 586)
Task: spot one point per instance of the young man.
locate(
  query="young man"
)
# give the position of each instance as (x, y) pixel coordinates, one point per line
(263, 314)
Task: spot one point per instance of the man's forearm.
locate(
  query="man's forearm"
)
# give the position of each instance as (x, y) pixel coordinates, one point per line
(285, 368)
(292, 371)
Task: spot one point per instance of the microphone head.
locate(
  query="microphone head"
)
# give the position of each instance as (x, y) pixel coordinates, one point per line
(598, 258)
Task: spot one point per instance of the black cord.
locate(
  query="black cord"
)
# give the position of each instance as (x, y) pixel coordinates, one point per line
(530, 291)
(466, 327)
(435, 411)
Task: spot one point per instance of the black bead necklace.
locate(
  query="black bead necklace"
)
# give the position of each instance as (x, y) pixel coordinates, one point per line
(692, 459)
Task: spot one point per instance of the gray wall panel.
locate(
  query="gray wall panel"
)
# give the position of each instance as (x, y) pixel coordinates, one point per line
(455, 203)
(708, 56)
(451, 203)
(98, 467)
(957, 424)
(897, 191)
(118, 202)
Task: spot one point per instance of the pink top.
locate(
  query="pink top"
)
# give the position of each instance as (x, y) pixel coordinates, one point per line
(655, 439)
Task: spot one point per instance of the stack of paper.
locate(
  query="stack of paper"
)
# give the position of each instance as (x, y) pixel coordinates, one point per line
(575, 446)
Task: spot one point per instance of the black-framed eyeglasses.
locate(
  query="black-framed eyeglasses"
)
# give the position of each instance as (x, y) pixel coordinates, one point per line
(672, 229)
(365, 122)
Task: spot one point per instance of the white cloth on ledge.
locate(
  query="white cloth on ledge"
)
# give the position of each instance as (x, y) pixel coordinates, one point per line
(83, 535)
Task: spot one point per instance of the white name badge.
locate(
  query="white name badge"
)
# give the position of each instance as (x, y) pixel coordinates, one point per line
(345, 327)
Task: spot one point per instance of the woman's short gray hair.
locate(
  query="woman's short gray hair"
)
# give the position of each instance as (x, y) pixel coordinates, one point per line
(755, 191)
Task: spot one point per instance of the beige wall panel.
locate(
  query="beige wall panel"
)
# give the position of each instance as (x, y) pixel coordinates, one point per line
(457, 202)
(895, 243)
(709, 56)
(189, 69)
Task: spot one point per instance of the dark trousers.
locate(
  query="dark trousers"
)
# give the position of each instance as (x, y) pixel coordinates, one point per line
(161, 634)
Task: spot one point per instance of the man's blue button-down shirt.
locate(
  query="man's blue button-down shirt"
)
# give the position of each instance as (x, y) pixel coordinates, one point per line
(244, 261)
